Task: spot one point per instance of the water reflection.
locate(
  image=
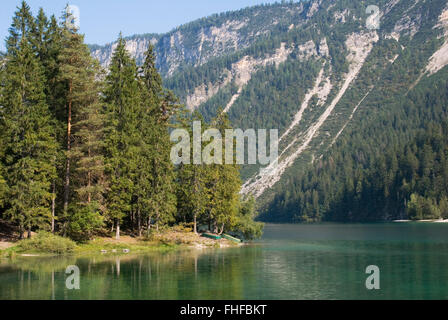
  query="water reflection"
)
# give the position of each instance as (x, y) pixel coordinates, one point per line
(292, 267)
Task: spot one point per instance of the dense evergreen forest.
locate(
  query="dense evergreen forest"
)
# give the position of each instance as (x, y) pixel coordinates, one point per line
(85, 151)
(405, 182)
(355, 167)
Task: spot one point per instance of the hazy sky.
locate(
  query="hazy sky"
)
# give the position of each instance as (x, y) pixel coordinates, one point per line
(102, 20)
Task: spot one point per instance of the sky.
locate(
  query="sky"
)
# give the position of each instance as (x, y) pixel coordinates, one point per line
(102, 20)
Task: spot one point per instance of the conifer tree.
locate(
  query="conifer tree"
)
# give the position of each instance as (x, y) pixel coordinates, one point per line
(192, 192)
(157, 109)
(123, 136)
(223, 184)
(3, 185)
(27, 133)
(47, 42)
(89, 179)
(84, 181)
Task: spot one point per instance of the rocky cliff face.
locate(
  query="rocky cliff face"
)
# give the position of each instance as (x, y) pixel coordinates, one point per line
(196, 43)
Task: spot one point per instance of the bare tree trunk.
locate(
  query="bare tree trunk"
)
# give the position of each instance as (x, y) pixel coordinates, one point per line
(21, 232)
(53, 205)
(67, 170)
(66, 186)
(139, 222)
(215, 227)
(117, 232)
(29, 232)
(89, 180)
(195, 230)
(222, 229)
(132, 219)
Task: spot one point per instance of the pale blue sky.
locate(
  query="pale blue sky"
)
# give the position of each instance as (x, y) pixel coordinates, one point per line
(102, 20)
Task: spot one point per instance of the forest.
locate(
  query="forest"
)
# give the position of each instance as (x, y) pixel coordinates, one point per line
(407, 182)
(86, 151)
(364, 175)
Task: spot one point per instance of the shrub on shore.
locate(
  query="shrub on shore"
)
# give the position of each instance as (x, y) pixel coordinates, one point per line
(47, 242)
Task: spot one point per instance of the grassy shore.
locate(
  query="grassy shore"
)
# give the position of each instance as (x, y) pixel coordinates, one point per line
(44, 243)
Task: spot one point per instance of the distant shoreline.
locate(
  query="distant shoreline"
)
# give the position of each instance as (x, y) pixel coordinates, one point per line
(424, 220)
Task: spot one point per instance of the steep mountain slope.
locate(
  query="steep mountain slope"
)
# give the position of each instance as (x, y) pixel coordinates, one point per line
(195, 43)
(339, 92)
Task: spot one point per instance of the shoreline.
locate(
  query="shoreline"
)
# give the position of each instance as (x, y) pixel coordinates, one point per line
(104, 246)
(423, 220)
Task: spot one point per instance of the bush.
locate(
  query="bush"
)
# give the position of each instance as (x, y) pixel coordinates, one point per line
(84, 223)
(183, 227)
(47, 242)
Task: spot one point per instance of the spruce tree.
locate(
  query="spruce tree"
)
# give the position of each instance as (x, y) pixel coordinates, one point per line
(122, 133)
(3, 185)
(47, 42)
(223, 185)
(157, 109)
(27, 133)
(192, 193)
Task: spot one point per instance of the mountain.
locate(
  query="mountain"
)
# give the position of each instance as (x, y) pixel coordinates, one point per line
(195, 43)
(342, 94)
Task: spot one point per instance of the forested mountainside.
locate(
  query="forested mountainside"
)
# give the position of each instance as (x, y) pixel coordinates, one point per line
(350, 102)
(195, 43)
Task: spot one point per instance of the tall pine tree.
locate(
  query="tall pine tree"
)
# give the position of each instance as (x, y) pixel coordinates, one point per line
(84, 180)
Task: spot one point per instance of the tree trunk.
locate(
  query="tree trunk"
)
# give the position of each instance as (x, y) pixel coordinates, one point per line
(117, 232)
(29, 232)
(21, 232)
(222, 229)
(149, 226)
(89, 178)
(132, 219)
(215, 227)
(139, 222)
(67, 170)
(53, 205)
(64, 229)
(195, 224)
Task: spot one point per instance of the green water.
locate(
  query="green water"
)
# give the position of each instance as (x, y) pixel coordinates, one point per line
(325, 261)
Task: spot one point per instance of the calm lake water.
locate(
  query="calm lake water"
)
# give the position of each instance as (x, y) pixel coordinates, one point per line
(325, 261)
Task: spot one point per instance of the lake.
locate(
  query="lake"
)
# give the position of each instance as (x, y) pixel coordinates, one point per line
(321, 261)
